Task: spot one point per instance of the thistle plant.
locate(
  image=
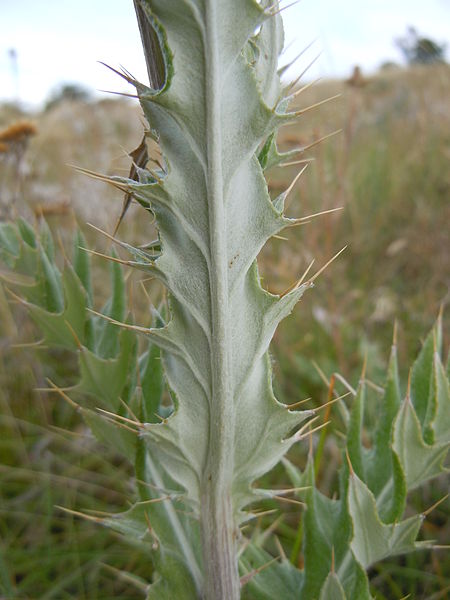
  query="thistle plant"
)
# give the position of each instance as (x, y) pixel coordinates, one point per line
(214, 107)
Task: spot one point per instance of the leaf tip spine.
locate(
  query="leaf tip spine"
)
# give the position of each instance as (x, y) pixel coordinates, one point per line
(349, 462)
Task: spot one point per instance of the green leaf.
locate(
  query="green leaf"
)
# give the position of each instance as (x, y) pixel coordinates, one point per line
(27, 233)
(327, 535)
(382, 465)
(391, 499)
(24, 261)
(275, 579)
(419, 460)
(296, 476)
(438, 415)
(112, 435)
(6, 577)
(269, 157)
(152, 384)
(220, 216)
(8, 327)
(173, 581)
(107, 334)
(131, 523)
(105, 378)
(355, 447)
(67, 328)
(46, 239)
(372, 539)
(51, 277)
(353, 578)
(384, 475)
(171, 521)
(9, 243)
(332, 589)
(269, 43)
(82, 264)
(422, 372)
(322, 520)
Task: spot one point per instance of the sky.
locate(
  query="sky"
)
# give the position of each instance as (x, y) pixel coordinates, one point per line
(61, 41)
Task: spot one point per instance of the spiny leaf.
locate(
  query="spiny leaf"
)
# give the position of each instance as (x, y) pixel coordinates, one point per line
(440, 424)
(9, 243)
(419, 460)
(53, 292)
(106, 333)
(105, 378)
(81, 264)
(373, 540)
(327, 534)
(421, 375)
(173, 580)
(46, 240)
(332, 589)
(152, 383)
(117, 438)
(268, 578)
(385, 476)
(27, 233)
(65, 328)
(217, 107)
(354, 443)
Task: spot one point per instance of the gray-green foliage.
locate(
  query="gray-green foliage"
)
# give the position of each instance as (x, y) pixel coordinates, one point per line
(366, 524)
(217, 109)
(342, 537)
(197, 456)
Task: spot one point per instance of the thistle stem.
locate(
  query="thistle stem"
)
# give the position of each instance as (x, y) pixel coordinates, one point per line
(217, 523)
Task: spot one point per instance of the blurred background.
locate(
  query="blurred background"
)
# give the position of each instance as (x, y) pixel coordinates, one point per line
(387, 167)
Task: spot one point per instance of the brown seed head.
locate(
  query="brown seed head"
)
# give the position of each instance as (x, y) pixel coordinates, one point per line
(18, 131)
(3, 148)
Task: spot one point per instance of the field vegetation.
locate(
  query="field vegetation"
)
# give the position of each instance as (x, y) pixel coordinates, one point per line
(387, 168)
